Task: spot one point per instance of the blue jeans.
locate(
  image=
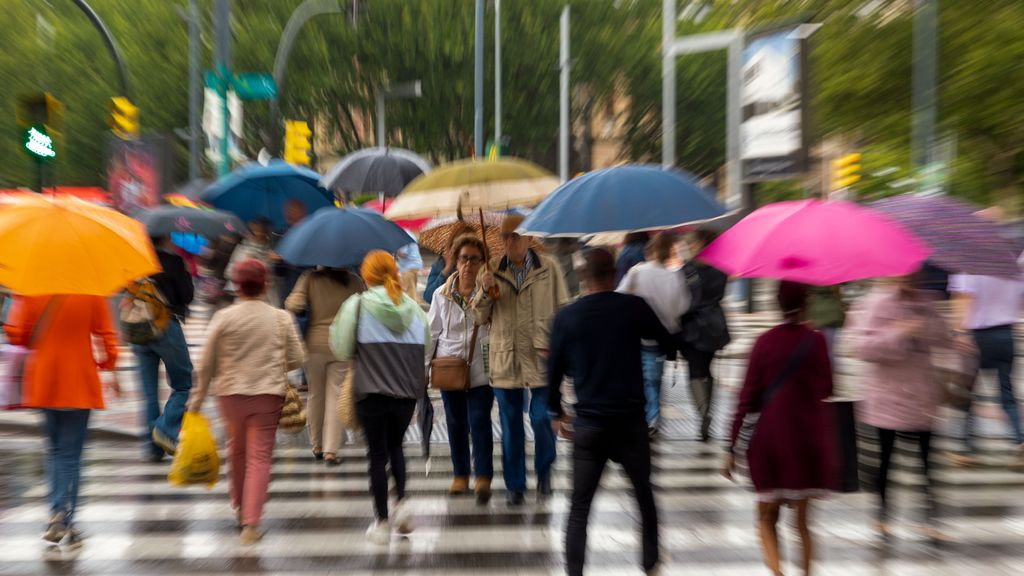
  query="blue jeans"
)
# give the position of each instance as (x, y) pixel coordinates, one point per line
(511, 404)
(66, 431)
(469, 416)
(172, 349)
(654, 369)
(995, 352)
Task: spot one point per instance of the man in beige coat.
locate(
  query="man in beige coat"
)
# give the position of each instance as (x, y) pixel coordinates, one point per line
(521, 294)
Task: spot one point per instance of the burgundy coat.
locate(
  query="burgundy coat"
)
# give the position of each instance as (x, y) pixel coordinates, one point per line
(794, 446)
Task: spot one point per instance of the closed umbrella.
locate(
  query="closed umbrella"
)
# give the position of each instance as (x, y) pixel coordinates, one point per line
(384, 171)
(63, 245)
(255, 191)
(473, 184)
(962, 242)
(622, 199)
(340, 238)
(816, 242)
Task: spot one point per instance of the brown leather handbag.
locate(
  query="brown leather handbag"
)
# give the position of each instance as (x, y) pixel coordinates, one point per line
(452, 374)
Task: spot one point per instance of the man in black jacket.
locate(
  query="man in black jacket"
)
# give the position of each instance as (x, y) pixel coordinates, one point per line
(175, 285)
(596, 341)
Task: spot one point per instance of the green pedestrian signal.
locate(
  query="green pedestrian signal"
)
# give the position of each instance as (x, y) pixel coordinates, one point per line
(39, 144)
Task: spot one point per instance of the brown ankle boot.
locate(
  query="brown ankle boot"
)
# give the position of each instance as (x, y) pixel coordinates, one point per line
(460, 485)
(482, 490)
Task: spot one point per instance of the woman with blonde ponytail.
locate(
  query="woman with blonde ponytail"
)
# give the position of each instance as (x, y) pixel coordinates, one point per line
(385, 334)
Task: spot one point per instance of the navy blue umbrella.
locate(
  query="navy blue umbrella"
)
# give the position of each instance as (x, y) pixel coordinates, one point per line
(255, 191)
(340, 238)
(622, 199)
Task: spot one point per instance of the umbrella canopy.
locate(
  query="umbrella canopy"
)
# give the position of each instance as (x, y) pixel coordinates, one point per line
(379, 170)
(255, 191)
(413, 224)
(962, 242)
(63, 245)
(816, 242)
(163, 220)
(622, 199)
(438, 232)
(340, 238)
(488, 184)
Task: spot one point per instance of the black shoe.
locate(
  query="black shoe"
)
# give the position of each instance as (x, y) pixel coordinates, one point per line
(544, 490)
(515, 499)
(318, 456)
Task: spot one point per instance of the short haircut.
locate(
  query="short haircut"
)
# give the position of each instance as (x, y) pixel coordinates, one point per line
(636, 238)
(598, 265)
(250, 276)
(792, 298)
(705, 236)
(467, 240)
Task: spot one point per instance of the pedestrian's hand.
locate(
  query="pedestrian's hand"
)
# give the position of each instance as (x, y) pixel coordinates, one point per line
(487, 280)
(728, 467)
(113, 385)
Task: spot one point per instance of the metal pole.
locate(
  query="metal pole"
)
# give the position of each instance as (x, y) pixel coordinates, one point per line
(296, 21)
(668, 84)
(923, 130)
(564, 65)
(222, 19)
(478, 99)
(733, 167)
(497, 73)
(111, 44)
(381, 143)
(194, 90)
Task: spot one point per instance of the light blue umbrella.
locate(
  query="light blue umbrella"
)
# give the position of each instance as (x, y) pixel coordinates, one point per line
(255, 191)
(622, 199)
(340, 238)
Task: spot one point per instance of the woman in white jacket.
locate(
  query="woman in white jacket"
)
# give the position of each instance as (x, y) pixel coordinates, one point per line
(469, 412)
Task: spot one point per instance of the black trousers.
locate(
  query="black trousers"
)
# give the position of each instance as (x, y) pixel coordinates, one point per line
(595, 442)
(385, 420)
(887, 441)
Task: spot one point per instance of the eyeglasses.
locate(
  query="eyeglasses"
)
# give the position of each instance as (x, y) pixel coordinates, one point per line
(470, 259)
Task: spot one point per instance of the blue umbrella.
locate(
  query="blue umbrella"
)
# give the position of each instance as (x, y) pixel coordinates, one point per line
(622, 199)
(191, 243)
(340, 238)
(255, 191)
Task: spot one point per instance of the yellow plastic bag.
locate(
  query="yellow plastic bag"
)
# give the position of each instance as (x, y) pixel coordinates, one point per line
(196, 460)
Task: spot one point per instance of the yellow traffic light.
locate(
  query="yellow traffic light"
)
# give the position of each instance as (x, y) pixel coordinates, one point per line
(846, 171)
(124, 118)
(297, 145)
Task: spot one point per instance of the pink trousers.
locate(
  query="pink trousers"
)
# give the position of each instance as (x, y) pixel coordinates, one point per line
(251, 422)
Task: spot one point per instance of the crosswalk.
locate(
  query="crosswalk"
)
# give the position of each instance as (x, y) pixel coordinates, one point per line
(137, 523)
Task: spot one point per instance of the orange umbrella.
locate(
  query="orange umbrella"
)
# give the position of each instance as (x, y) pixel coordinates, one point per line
(63, 245)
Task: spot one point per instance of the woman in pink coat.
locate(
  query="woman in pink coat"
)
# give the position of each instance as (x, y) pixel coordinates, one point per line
(896, 328)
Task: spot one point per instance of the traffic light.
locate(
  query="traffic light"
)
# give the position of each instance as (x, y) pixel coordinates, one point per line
(846, 171)
(41, 109)
(124, 118)
(297, 146)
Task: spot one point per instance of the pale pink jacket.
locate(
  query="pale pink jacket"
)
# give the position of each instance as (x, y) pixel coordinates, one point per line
(900, 389)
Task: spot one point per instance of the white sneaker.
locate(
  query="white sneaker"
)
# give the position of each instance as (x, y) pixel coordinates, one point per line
(379, 533)
(401, 517)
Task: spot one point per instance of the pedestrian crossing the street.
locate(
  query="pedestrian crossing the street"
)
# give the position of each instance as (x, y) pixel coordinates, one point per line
(136, 523)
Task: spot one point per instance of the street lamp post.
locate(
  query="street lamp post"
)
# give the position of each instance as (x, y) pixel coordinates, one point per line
(478, 84)
(413, 89)
(497, 73)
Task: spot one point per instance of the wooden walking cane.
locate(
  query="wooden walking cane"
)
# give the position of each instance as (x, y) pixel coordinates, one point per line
(493, 293)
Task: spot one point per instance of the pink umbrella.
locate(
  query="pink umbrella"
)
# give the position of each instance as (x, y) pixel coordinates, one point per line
(816, 242)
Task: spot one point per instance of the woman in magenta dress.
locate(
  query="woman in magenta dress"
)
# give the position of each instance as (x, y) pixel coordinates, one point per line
(791, 451)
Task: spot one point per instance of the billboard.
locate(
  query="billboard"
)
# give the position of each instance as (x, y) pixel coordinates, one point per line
(136, 172)
(772, 124)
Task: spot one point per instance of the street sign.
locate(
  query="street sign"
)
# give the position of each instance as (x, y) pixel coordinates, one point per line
(252, 86)
(39, 144)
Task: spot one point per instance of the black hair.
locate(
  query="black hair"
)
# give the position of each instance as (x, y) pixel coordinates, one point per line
(598, 265)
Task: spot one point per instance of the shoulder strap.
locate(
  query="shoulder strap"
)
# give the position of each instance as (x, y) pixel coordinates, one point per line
(43, 322)
(355, 338)
(794, 360)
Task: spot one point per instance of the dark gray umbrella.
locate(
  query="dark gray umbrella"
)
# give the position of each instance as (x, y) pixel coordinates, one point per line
(377, 170)
(425, 417)
(193, 188)
(163, 220)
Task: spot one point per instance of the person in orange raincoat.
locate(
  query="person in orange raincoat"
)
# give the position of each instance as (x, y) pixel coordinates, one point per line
(61, 379)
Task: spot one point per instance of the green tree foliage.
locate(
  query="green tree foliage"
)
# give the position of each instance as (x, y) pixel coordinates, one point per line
(860, 63)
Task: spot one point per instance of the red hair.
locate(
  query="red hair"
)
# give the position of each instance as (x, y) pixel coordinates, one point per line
(250, 277)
